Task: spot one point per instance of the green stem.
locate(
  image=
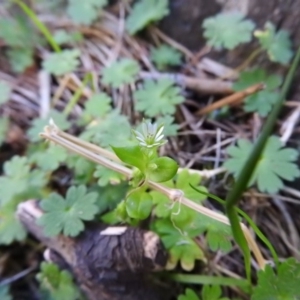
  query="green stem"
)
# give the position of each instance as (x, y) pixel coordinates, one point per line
(43, 29)
(242, 181)
(77, 95)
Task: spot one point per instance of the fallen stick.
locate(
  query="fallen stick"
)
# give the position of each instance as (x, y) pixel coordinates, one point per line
(109, 263)
(233, 99)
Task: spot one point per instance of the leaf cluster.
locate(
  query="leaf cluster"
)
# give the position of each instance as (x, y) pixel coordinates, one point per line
(262, 101)
(67, 215)
(275, 164)
(56, 284)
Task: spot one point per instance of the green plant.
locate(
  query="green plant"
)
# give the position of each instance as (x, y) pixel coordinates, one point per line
(85, 12)
(277, 44)
(4, 293)
(62, 62)
(4, 125)
(5, 91)
(227, 30)
(285, 280)
(120, 72)
(262, 101)
(164, 56)
(67, 215)
(158, 98)
(56, 284)
(145, 12)
(274, 163)
(208, 293)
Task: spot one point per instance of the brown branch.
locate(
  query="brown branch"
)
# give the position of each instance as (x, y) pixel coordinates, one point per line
(109, 263)
(233, 99)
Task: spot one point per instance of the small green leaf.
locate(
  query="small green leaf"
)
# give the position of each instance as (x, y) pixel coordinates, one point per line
(158, 98)
(85, 12)
(107, 176)
(62, 37)
(170, 129)
(277, 44)
(50, 158)
(62, 63)
(57, 284)
(183, 181)
(66, 215)
(181, 246)
(139, 205)
(5, 91)
(15, 179)
(20, 58)
(213, 292)
(276, 163)
(120, 72)
(162, 169)
(189, 295)
(98, 105)
(4, 293)
(280, 286)
(145, 12)
(227, 30)
(4, 127)
(131, 155)
(38, 124)
(164, 56)
(262, 101)
(11, 228)
(111, 130)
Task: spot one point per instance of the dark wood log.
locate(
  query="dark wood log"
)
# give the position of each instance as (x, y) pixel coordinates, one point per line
(107, 262)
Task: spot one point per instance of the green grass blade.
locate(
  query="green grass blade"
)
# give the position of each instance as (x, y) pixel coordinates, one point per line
(257, 231)
(242, 181)
(42, 28)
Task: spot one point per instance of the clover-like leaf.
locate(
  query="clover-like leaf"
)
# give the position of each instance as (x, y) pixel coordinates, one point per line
(227, 30)
(67, 215)
(120, 72)
(261, 101)
(170, 128)
(182, 181)
(276, 163)
(158, 98)
(280, 286)
(11, 229)
(98, 105)
(111, 130)
(14, 181)
(181, 247)
(107, 176)
(164, 56)
(277, 44)
(85, 12)
(189, 295)
(145, 12)
(5, 91)
(49, 159)
(62, 62)
(56, 284)
(38, 124)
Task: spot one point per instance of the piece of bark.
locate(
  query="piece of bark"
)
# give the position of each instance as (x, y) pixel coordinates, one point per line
(107, 262)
